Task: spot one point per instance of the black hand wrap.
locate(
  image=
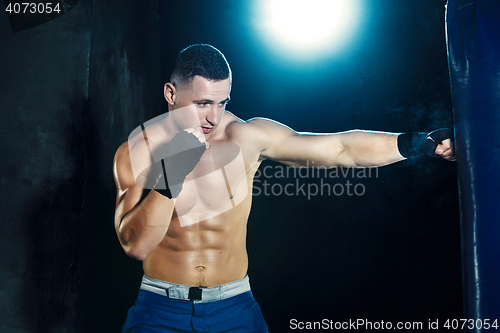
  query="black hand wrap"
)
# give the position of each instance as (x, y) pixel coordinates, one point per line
(416, 144)
(185, 151)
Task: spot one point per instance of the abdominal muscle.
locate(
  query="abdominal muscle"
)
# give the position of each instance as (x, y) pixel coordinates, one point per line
(212, 251)
(208, 253)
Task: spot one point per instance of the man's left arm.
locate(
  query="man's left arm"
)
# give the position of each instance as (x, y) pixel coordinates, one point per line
(349, 149)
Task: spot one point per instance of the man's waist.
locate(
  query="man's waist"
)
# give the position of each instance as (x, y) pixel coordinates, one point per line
(193, 293)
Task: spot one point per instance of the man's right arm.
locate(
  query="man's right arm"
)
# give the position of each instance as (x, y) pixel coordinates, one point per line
(141, 218)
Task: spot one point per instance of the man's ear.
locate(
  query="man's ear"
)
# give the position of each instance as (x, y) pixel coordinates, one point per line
(169, 92)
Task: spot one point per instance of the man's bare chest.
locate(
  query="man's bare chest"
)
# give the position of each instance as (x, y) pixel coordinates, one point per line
(217, 184)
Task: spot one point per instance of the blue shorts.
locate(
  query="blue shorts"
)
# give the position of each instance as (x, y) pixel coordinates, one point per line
(154, 312)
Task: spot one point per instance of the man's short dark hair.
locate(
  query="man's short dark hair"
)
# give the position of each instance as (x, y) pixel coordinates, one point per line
(200, 59)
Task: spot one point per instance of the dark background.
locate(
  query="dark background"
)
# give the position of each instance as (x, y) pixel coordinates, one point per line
(72, 90)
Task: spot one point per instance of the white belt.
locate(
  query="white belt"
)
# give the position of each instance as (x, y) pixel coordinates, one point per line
(192, 293)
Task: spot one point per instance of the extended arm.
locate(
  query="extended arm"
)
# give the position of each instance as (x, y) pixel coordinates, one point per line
(352, 149)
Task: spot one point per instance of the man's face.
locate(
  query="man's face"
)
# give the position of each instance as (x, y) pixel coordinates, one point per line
(203, 103)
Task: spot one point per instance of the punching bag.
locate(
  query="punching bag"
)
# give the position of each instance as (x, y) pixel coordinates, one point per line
(473, 38)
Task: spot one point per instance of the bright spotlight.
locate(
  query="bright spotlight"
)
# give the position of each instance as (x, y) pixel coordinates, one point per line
(311, 24)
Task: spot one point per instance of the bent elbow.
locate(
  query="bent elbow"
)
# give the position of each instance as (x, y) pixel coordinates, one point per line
(135, 252)
(132, 246)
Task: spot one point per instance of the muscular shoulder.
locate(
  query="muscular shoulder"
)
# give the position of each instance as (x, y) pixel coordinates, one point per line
(121, 155)
(254, 129)
(258, 134)
(130, 159)
(122, 169)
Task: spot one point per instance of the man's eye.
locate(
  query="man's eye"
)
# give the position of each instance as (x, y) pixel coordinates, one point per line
(202, 104)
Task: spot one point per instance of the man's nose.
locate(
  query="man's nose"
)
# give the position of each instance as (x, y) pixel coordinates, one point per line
(213, 115)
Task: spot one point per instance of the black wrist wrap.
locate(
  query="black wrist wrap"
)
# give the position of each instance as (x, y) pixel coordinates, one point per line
(185, 151)
(416, 143)
(165, 192)
(409, 144)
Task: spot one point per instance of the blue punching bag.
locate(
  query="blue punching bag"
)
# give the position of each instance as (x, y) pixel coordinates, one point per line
(473, 35)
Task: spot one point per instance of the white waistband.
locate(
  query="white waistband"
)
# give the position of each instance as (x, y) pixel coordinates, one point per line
(182, 292)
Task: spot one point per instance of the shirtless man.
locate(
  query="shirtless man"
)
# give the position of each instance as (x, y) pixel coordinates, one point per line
(195, 272)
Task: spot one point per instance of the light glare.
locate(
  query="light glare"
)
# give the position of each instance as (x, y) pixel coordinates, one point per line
(307, 30)
(306, 22)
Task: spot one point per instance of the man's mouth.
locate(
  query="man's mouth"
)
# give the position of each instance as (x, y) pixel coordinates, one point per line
(207, 130)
